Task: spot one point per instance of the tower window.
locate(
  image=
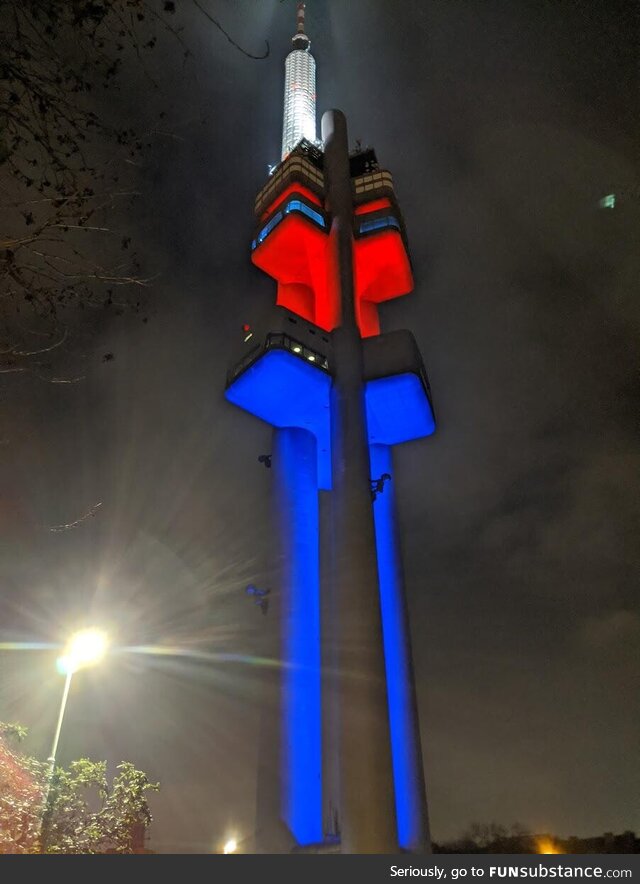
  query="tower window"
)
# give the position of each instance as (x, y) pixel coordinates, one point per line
(304, 209)
(379, 224)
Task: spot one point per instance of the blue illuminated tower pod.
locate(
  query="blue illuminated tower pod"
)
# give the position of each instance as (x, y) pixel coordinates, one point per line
(340, 395)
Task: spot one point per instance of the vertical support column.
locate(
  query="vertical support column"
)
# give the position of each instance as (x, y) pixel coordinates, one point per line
(367, 814)
(295, 467)
(408, 772)
(330, 681)
(272, 835)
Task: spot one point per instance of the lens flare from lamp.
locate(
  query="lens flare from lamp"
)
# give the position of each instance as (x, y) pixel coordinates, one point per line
(85, 648)
(230, 846)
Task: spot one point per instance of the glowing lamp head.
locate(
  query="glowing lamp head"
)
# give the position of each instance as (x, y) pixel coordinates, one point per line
(85, 648)
(230, 846)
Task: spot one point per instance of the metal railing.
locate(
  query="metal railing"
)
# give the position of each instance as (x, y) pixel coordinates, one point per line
(279, 341)
(294, 168)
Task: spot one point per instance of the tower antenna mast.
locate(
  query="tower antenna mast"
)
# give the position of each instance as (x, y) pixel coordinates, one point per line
(299, 118)
(300, 18)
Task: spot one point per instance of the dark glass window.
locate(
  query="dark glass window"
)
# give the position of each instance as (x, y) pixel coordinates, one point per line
(379, 224)
(266, 230)
(292, 206)
(303, 208)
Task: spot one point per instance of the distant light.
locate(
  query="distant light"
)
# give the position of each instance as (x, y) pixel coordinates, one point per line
(248, 337)
(297, 349)
(311, 357)
(231, 846)
(85, 648)
(546, 845)
(608, 201)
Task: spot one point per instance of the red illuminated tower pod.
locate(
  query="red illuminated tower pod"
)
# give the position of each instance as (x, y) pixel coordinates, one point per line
(341, 766)
(298, 257)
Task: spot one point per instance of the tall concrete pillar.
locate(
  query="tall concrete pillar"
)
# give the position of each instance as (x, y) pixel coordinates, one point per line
(330, 681)
(295, 471)
(408, 772)
(271, 833)
(367, 813)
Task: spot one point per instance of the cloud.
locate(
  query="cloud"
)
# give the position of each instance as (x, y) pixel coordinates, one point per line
(621, 627)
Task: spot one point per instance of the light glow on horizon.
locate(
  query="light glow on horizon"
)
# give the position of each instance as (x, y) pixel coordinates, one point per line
(545, 845)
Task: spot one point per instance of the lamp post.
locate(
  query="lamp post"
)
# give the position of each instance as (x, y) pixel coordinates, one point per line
(85, 648)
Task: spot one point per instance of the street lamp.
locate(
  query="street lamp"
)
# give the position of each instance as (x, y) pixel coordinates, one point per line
(84, 648)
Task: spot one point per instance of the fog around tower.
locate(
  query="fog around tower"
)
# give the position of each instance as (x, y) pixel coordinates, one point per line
(503, 126)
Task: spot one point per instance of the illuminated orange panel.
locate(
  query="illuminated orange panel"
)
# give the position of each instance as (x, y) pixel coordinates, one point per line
(382, 268)
(298, 298)
(295, 254)
(368, 320)
(292, 188)
(298, 256)
(373, 206)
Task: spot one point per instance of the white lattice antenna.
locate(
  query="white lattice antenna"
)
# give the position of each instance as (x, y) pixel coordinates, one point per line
(299, 90)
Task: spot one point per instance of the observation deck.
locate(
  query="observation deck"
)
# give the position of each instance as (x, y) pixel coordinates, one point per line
(284, 374)
(292, 239)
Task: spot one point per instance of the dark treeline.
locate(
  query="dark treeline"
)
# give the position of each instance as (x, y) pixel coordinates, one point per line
(495, 838)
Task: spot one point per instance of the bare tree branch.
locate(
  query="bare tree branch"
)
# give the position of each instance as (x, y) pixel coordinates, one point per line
(229, 38)
(67, 172)
(74, 524)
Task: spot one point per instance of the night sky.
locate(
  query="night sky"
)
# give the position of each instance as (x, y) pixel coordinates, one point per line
(503, 124)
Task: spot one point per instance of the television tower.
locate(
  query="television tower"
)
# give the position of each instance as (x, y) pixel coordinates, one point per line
(346, 771)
